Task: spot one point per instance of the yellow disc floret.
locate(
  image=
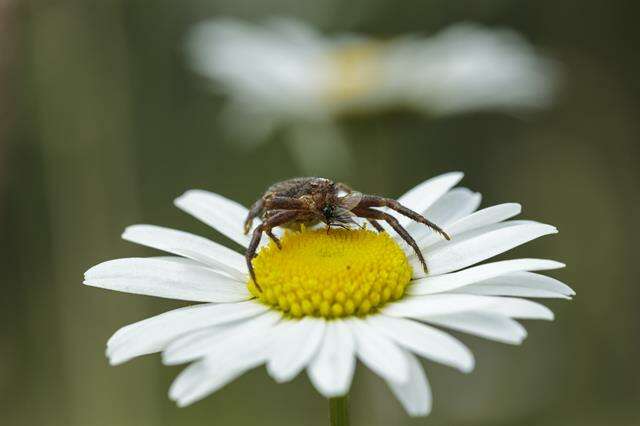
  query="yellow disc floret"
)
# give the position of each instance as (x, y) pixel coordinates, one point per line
(335, 274)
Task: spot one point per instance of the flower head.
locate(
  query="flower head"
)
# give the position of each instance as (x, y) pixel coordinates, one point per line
(331, 275)
(285, 71)
(329, 299)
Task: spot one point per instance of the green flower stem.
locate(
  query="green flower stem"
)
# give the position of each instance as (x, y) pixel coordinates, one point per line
(339, 411)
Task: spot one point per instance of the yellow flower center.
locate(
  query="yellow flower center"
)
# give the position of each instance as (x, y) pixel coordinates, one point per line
(355, 70)
(342, 273)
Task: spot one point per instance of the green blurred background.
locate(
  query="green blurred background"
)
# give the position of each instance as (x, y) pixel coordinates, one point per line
(102, 124)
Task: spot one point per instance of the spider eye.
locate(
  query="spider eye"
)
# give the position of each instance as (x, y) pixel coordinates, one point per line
(327, 211)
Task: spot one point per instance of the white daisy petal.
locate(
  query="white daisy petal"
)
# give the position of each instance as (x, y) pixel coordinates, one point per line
(222, 214)
(214, 342)
(457, 203)
(436, 304)
(331, 371)
(155, 333)
(420, 197)
(294, 347)
(200, 381)
(479, 245)
(425, 341)
(415, 394)
(476, 274)
(212, 373)
(379, 353)
(188, 379)
(518, 308)
(164, 278)
(490, 326)
(230, 359)
(178, 259)
(189, 245)
(452, 206)
(193, 344)
(520, 284)
(484, 217)
(422, 307)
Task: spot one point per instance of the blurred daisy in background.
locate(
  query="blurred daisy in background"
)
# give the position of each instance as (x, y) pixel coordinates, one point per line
(327, 299)
(285, 72)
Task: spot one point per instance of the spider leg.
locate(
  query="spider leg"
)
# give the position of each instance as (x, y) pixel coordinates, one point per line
(254, 212)
(376, 225)
(273, 238)
(393, 222)
(286, 203)
(270, 202)
(266, 226)
(375, 201)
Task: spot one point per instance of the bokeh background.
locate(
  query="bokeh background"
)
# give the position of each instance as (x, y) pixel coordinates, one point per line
(102, 125)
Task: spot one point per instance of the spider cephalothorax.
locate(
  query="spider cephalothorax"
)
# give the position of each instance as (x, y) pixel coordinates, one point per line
(311, 200)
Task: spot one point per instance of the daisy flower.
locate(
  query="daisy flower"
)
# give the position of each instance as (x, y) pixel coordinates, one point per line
(286, 72)
(329, 299)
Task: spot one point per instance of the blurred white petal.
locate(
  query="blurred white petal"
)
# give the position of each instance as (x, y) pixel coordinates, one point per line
(286, 72)
(467, 67)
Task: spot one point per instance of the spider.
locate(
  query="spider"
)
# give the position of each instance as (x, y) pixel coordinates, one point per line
(311, 200)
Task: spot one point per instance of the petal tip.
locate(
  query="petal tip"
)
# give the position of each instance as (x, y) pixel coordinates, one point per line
(88, 273)
(455, 176)
(132, 229)
(420, 413)
(277, 376)
(181, 199)
(114, 360)
(468, 368)
(187, 195)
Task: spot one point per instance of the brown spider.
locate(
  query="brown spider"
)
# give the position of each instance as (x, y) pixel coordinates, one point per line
(310, 200)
